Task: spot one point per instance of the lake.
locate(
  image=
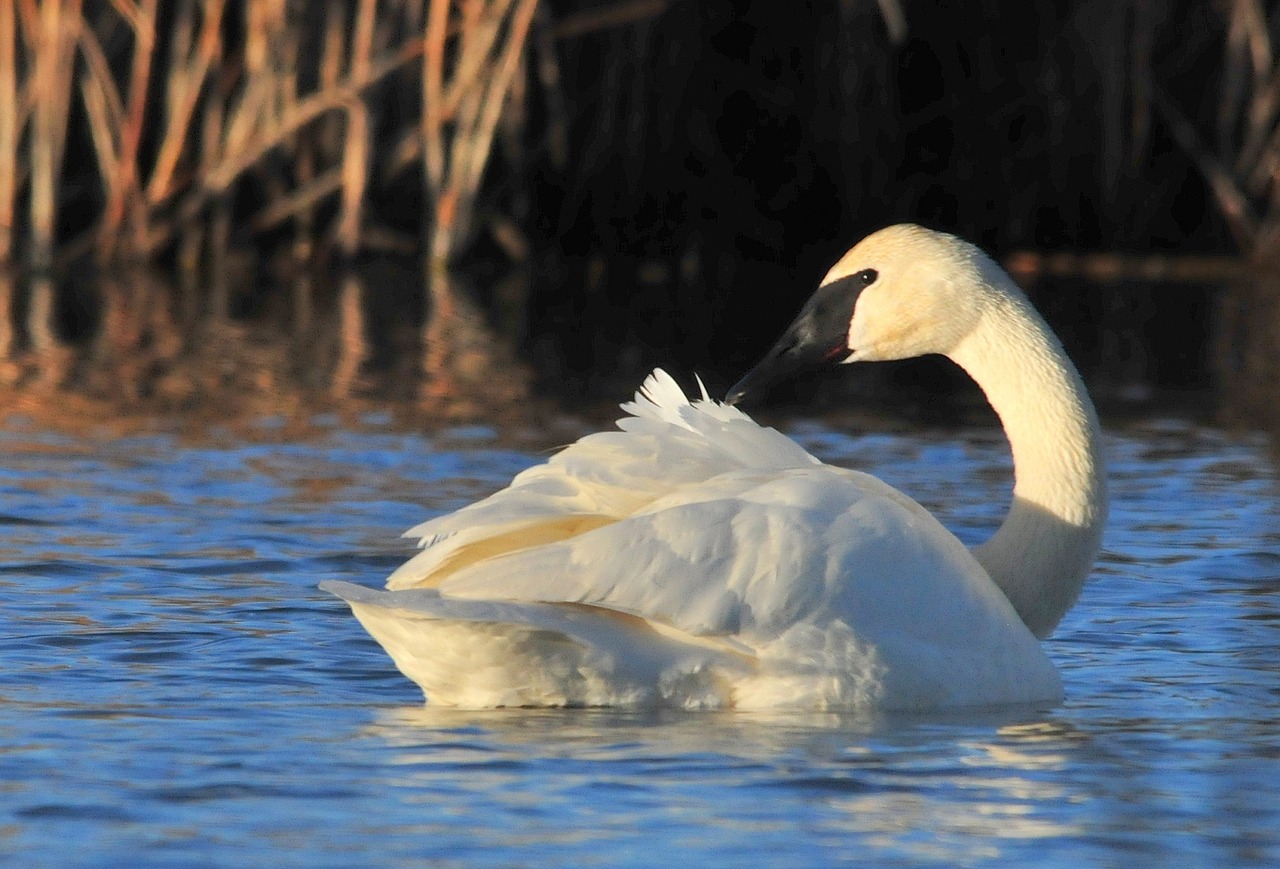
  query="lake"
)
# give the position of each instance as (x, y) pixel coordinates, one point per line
(177, 692)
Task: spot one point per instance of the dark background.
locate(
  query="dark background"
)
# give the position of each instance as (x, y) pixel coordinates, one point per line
(675, 190)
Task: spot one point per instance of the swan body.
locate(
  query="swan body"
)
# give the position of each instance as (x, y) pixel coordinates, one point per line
(695, 559)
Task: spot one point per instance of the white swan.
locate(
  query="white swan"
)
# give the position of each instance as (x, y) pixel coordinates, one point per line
(696, 559)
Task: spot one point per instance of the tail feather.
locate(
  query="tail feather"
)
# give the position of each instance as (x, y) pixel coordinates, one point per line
(482, 654)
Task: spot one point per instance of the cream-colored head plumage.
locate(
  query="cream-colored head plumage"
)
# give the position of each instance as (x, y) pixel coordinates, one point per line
(929, 291)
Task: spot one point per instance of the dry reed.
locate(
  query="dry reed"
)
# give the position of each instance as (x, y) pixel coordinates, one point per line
(177, 120)
(202, 128)
(233, 98)
(1242, 165)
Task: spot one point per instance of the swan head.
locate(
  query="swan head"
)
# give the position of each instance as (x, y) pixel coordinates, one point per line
(901, 292)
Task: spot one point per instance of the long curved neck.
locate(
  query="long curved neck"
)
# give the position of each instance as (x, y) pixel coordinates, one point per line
(1042, 553)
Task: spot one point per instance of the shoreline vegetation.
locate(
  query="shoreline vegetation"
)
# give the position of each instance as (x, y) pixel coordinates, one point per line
(463, 205)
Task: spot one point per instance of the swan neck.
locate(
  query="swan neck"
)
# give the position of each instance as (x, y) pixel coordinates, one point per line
(1046, 546)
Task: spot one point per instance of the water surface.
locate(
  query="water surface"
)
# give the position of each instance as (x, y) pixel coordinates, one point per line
(175, 691)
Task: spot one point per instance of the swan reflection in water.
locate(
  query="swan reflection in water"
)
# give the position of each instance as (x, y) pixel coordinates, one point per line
(930, 786)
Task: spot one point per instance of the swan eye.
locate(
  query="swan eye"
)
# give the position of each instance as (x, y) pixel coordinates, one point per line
(867, 277)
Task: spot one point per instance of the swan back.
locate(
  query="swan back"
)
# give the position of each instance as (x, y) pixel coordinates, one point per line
(666, 444)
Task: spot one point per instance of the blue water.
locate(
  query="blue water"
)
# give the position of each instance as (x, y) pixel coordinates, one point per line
(175, 691)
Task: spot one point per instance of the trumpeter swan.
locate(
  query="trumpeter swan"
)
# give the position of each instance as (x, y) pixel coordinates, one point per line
(696, 559)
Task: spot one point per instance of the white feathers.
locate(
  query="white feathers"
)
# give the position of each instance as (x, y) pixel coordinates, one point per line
(667, 445)
(696, 559)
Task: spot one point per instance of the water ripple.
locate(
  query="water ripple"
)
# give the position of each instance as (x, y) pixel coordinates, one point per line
(176, 691)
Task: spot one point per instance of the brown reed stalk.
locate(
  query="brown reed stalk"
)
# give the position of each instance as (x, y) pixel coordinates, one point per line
(462, 102)
(194, 57)
(353, 347)
(304, 170)
(1257, 155)
(461, 110)
(253, 106)
(11, 101)
(331, 63)
(1244, 171)
(106, 114)
(276, 179)
(126, 201)
(1232, 201)
(53, 43)
(216, 229)
(356, 159)
(480, 124)
(304, 146)
(477, 33)
(250, 150)
(433, 115)
(320, 142)
(273, 57)
(323, 137)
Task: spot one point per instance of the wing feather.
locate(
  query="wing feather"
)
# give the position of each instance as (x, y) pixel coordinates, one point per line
(667, 444)
(747, 554)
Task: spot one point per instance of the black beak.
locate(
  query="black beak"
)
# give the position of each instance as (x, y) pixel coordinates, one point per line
(818, 336)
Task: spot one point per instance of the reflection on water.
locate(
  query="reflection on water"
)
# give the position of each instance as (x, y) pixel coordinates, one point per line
(913, 786)
(176, 691)
(136, 339)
